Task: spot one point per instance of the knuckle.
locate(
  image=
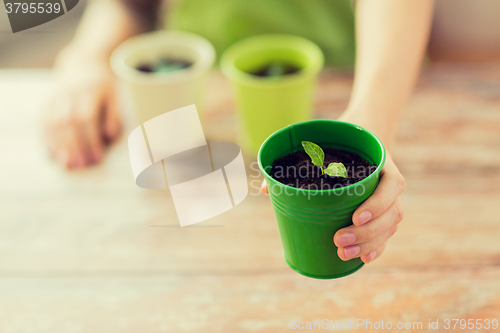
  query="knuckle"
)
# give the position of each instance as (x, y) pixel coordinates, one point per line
(400, 213)
(378, 204)
(400, 182)
(393, 230)
(369, 234)
(370, 246)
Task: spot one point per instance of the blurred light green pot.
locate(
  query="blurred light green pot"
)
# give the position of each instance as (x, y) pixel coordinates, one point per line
(268, 104)
(308, 219)
(150, 95)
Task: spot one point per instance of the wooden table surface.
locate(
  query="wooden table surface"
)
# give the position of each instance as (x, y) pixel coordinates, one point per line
(88, 251)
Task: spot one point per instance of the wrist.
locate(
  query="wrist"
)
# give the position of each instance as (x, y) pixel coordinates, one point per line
(74, 54)
(383, 125)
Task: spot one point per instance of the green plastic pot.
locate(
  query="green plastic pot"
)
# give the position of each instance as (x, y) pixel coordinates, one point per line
(268, 104)
(308, 219)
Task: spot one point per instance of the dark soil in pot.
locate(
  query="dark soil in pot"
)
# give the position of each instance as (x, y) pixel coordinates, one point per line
(166, 65)
(298, 171)
(275, 69)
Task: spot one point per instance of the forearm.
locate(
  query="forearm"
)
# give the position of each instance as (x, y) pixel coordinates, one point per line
(391, 36)
(107, 23)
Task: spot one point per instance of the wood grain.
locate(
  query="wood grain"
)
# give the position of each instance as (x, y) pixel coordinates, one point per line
(88, 251)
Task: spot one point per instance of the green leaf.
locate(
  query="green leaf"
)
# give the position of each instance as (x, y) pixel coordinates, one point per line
(276, 69)
(315, 153)
(336, 170)
(167, 67)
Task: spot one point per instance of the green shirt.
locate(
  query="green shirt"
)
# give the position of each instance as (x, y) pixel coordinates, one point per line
(328, 23)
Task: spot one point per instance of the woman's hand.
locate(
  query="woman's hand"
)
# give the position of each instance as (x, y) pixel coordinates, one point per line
(81, 117)
(376, 220)
(388, 57)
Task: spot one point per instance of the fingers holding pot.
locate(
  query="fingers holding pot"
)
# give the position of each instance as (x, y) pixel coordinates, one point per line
(263, 188)
(363, 249)
(391, 186)
(359, 241)
(374, 254)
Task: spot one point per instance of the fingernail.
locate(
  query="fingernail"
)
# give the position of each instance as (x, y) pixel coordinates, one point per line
(346, 238)
(351, 251)
(372, 255)
(364, 217)
(264, 190)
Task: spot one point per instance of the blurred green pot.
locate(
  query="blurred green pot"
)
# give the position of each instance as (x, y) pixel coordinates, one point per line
(150, 95)
(267, 104)
(308, 219)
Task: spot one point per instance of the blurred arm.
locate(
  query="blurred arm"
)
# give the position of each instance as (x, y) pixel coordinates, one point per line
(81, 116)
(391, 37)
(107, 23)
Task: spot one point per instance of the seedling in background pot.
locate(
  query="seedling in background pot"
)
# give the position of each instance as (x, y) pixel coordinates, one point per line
(318, 158)
(164, 66)
(275, 70)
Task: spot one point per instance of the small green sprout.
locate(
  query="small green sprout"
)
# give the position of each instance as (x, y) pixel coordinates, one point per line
(318, 158)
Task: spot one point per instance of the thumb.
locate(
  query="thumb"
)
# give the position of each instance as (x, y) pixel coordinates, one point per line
(263, 187)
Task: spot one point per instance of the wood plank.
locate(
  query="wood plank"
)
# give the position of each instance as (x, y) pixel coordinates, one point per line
(89, 251)
(98, 220)
(259, 302)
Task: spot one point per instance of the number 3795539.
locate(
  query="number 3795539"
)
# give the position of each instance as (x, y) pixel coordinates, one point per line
(470, 324)
(32, 8)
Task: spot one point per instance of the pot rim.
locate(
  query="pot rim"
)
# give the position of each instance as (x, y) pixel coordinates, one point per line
(161, 39)
(270, 42)
(330, 191)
